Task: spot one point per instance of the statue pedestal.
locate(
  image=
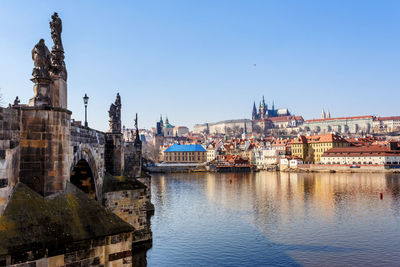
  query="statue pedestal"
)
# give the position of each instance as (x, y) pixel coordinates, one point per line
(59, 76)
(59, 95)
(41, 92)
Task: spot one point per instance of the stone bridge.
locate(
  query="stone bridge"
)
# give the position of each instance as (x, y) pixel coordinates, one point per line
(78, 154)
(45, 158)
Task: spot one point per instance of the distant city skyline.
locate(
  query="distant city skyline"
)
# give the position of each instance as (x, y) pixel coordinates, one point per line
(208, 61)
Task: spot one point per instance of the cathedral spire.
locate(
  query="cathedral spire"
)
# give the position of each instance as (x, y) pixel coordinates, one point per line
(273, 105)
(254, 113)
(323, 115)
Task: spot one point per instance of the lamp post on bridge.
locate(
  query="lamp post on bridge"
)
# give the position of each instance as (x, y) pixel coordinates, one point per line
(85, 101)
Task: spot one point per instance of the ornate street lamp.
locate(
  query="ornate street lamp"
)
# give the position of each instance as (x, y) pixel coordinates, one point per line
(85, 101)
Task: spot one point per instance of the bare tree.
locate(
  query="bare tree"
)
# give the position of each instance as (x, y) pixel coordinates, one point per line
(228, 131)
(236, 131)
(151, 152)
(257, 129)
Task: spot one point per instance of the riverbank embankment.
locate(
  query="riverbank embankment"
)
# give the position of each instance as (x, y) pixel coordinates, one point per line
(343, 168)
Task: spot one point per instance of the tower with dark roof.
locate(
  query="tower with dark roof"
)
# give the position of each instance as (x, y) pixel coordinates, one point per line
(254, 113)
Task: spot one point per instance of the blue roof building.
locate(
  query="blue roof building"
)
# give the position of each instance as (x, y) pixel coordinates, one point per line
(185, 148)
(185, 154)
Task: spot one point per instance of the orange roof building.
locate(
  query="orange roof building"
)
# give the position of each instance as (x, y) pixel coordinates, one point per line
(311, 148)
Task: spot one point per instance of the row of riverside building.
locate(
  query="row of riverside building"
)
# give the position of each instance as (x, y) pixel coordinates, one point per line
(266, 152)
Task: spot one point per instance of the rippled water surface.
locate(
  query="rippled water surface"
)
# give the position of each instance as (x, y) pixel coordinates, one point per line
(275, 219)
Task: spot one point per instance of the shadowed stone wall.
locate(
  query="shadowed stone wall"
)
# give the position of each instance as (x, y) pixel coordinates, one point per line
(9, 153)
(133, 159)
(45, 149)
(106, 251)
(114, 154)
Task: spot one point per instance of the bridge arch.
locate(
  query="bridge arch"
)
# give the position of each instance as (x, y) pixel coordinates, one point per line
(84, 172)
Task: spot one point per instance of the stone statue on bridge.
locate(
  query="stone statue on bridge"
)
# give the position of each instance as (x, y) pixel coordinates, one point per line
(57, 51)
(115, 115)
(41, 60)
(137, 137)
(136, 122)
(56, 29)
(16, 102)
(41, 75)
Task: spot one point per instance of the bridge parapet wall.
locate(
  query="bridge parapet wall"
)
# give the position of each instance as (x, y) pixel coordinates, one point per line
(9, 152)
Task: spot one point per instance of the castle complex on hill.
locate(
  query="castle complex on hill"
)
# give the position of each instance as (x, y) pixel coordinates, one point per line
(264, 113)
(262, 120)
(280, 122)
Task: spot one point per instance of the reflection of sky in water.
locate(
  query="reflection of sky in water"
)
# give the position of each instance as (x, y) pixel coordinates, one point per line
(275, 219)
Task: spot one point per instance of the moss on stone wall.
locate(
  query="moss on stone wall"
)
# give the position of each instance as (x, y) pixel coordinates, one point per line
(119, 183)
(32, 222)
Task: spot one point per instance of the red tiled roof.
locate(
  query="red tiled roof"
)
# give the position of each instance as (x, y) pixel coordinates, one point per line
(395, 118)
(279, 142)
(298, 118)
(286, 118)
(356, 151)
(323, 138)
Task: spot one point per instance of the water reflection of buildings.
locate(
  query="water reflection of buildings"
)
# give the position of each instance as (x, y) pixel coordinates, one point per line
(230, 190)
(280, 198)
(291, 212)
(268, 199)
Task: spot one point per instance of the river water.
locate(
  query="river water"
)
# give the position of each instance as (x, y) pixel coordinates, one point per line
(275, 219)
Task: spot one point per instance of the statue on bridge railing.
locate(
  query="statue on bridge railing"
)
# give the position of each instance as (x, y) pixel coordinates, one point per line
(41, 60)
(56, 29)
(137, 137)
(41, 75)
(115, 115)
(57, 51)
(49, 72)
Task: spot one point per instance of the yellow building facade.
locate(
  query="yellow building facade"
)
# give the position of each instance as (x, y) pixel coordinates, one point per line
(311, 148)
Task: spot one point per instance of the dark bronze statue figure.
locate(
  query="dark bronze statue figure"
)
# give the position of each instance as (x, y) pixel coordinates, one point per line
(16, 101)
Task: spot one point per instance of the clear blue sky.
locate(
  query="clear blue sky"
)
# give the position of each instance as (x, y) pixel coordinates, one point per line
(193, 60)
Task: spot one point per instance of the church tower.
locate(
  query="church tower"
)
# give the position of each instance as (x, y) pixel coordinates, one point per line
(263, 109)
(254, 113)
(244, 135)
